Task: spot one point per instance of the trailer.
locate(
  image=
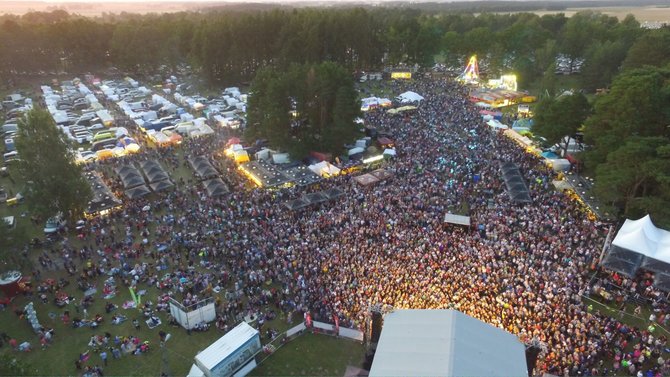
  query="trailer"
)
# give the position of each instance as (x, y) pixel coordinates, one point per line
(231, 355)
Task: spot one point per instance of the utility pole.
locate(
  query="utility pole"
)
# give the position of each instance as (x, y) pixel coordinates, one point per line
(165, 362)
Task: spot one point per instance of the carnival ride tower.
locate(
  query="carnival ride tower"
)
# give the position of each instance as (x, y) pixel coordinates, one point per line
(471, 72)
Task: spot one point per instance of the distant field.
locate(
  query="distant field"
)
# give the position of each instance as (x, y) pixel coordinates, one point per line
(96, 9)
(641, 13)
(651, 13)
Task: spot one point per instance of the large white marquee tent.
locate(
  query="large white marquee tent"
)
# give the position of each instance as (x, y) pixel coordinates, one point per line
(640, 244)
(445, 343)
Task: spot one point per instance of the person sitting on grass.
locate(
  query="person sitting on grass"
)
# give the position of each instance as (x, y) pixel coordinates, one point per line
(118, 319)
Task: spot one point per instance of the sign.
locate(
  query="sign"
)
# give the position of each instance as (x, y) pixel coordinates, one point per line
(401, 75)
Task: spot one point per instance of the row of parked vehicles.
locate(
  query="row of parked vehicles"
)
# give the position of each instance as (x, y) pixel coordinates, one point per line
(15, 105)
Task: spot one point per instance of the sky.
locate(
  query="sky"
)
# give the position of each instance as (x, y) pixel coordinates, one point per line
(258, 1)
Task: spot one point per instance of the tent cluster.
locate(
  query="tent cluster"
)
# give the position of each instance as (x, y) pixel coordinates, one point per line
(103, 199)
(313, 199)
(516, 187)
(202, 167)
(640, 244)
(373, 177)
(135, 184)
(326, 169)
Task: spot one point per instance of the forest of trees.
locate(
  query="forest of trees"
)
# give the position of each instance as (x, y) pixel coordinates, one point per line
(629, 128)
(228, 47)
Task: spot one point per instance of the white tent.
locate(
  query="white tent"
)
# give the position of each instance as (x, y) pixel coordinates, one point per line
(280, 158)
(324, 168)
(445, 343)
(356, 150)
(560, 164)
(450, 218)
(389, 151)
(495, 124)
(639, 243)
(408, 97)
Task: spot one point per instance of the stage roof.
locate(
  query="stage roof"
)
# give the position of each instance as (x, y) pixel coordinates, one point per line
(445, 343)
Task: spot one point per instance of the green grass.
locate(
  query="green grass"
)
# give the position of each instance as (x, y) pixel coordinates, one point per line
(313, 355)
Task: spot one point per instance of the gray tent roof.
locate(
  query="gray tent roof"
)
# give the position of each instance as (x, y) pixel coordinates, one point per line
(157, 176)
(333, 193)
(382, 174)
(315, 198)
(516, 186)
(296, 204)
(215, 187)
(123, 170)
(207, 171)
(137, 192)
(301, 175)
(148, 164)
(162, 185)
(132, 181)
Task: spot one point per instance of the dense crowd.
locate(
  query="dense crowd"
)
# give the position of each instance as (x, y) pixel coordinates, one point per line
(521, 267)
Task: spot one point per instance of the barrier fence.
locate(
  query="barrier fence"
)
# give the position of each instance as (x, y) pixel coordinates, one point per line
(620, 314)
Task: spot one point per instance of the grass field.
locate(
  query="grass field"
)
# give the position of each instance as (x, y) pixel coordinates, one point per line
(313, 355)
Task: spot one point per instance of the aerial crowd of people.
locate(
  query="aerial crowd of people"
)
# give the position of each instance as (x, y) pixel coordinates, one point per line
(521, 267)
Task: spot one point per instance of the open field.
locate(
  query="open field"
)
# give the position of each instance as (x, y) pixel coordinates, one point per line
(92, 9)
(96, 9)
(642, 14)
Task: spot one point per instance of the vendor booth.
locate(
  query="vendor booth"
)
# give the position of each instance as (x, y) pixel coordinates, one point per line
(9, 283)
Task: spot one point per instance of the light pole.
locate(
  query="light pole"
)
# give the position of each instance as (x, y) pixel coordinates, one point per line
(165, 363)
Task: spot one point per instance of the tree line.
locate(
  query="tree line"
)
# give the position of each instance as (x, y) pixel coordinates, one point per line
(228, 47)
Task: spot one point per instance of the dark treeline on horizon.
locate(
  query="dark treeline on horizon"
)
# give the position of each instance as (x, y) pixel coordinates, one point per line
(227, 47)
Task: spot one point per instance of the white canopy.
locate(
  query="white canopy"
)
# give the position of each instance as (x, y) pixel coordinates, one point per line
(640, 244)
(355, 150)
(495, 124)
(408, 97)
(445, 343)
(324, 168)
(450, 218)
(389, 151)
(643, 237)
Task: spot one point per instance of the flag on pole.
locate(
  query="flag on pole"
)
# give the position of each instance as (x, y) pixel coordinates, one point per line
(337, 324)
(132, 294)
